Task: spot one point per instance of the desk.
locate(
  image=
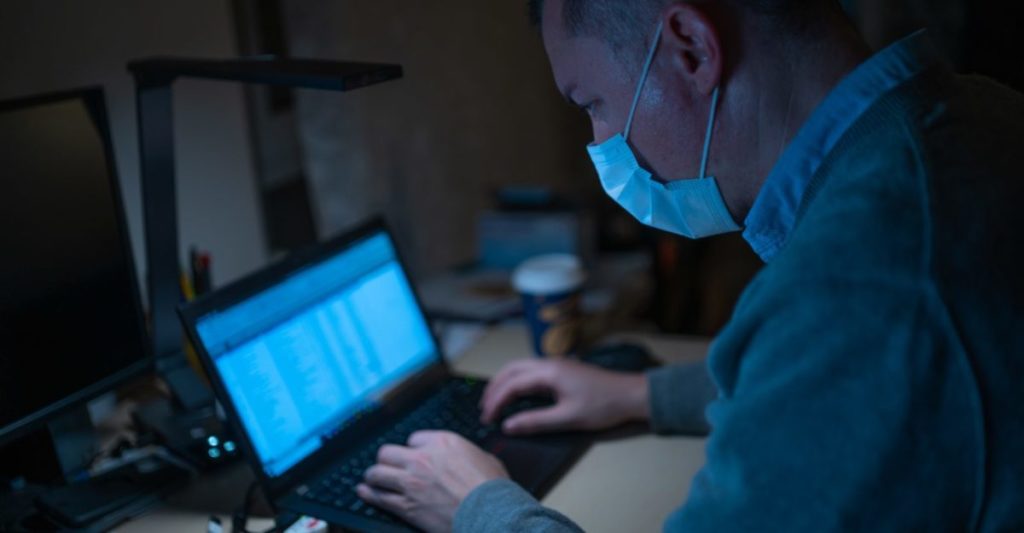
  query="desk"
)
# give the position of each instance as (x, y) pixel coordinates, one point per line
(629, 484)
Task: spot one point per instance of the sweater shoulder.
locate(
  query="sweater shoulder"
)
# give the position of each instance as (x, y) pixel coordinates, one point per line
(880, 200)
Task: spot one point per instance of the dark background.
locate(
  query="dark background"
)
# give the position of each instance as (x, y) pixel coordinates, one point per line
(262, 171)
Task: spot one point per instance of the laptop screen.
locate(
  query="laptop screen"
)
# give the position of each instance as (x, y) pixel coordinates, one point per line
(302, 357)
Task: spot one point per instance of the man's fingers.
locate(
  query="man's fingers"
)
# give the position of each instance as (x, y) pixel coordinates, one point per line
(393, 455)
(389, 501)
(385, 477)
(422, 438)
(508, 372)
(548, 419)
(528, 382)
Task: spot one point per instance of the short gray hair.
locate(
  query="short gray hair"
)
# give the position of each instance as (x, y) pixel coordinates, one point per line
(629, 24)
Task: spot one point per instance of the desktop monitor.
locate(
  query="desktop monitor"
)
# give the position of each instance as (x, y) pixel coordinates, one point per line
(71, 325)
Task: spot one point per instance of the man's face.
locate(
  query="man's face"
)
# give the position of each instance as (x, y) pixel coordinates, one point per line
(667, 132)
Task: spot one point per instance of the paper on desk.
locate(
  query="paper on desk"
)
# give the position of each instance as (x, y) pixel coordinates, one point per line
(485, 296)
(308, 525)
(458, 337)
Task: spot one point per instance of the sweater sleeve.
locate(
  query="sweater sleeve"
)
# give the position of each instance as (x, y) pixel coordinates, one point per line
(501, 505)
(679, 395)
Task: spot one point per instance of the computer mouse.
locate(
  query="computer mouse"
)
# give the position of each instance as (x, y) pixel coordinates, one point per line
(524, 403)
(621, 357)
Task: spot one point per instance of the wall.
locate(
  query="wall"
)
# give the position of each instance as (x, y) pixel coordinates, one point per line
(884, 21)
(975, 36)
(62, 44)
(477, 109)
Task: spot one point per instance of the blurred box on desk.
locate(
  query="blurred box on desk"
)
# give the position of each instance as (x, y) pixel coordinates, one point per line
(508, 238)
(528, 223)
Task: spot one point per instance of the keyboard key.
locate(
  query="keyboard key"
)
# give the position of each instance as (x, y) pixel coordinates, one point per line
(453, 408)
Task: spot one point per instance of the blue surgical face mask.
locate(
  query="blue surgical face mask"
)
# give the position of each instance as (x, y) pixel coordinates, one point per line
(690, 207)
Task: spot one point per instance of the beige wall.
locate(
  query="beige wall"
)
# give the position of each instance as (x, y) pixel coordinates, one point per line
(61, 44)
(477, 109)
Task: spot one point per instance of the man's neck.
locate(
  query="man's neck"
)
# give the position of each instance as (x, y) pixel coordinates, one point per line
(773, 96)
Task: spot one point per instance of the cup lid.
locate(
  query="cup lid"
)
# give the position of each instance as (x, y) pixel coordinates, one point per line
(549, 274)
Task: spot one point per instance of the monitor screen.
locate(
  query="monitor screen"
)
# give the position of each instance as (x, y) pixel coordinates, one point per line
(70, 324)
(301, 358)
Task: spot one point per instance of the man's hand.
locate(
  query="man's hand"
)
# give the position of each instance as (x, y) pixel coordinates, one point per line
(587, 397)
(426, 482)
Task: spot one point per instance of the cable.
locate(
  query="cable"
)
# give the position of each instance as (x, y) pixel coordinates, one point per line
(240, 519)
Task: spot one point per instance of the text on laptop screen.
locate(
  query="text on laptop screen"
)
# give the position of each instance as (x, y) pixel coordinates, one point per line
(301, 358)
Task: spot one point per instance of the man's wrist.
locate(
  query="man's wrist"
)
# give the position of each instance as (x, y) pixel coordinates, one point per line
(637, 398)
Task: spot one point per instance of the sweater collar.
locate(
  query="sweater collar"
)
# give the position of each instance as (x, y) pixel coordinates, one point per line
(774, 213)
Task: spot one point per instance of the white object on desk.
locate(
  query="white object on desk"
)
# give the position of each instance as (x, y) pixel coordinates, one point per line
(307, 525)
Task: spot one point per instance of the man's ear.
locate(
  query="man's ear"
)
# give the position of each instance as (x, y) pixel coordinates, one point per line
(691, 42)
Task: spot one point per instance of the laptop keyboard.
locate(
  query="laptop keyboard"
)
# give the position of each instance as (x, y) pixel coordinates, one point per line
(454, 408)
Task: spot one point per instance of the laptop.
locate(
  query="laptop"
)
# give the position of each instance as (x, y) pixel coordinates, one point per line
(320, 359)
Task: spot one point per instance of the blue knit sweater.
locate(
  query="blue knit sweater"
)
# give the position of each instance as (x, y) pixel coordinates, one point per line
(872, 377)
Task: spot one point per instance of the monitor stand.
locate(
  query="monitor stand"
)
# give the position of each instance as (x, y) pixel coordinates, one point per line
(54, 454)
(47, 484)
(17, 506)
(113, 497)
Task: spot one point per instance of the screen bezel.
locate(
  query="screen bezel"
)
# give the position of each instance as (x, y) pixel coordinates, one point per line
(95, 102)
(411, 388)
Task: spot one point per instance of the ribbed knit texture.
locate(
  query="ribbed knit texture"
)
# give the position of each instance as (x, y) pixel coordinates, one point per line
(870, 379)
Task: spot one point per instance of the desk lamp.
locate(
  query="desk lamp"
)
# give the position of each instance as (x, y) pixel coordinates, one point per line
(154, 79)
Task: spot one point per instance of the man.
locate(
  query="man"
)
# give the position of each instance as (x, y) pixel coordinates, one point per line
(870, 377)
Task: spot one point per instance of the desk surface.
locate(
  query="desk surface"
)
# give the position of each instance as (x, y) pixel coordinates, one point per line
(628, 484)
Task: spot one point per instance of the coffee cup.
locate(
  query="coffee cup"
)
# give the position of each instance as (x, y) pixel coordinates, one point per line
(551, 287)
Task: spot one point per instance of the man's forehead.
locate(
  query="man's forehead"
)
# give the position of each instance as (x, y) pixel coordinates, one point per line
(556, 35)
(575, 59)
(551, 17)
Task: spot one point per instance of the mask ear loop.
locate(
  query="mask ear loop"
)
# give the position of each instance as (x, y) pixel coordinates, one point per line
(643, 79)
(707, 136)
